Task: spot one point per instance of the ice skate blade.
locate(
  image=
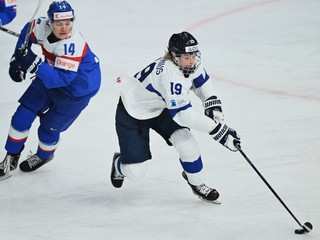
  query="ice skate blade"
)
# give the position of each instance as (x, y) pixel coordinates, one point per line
(7, 175)
(214, 202)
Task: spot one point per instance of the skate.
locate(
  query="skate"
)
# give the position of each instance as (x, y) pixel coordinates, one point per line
(116, 178)
(33, 162)
(204, 192)
(5, 168)
(9, 163)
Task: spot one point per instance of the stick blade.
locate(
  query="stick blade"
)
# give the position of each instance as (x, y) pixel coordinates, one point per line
(306, 228)
(300, 231)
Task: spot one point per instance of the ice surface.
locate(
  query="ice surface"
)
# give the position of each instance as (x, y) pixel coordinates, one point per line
(264, 55)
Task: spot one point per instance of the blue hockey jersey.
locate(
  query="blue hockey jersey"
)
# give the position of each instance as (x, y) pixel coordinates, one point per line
(69, 65)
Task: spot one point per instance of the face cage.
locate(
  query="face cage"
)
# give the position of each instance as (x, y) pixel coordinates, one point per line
(189, 70)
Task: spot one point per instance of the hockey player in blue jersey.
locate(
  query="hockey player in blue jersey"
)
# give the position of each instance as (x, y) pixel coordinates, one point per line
(158, 98)
(65, 81)
(7, 11)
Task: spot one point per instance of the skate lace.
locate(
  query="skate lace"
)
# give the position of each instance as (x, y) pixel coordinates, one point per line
(204, 189)
(11, 160)
(33, 160)
(117, 176)
(4, 166)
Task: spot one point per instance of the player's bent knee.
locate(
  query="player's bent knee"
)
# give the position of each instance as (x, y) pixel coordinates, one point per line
(134, 170)
(23, 118)
(185, 144)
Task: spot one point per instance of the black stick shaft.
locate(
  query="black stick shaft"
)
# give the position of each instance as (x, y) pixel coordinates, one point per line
(9, 31)
(271, 189)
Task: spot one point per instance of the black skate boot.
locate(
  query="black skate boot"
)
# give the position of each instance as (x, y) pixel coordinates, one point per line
(203, 191)
(33, 162)
(10, 161)
(116, 178)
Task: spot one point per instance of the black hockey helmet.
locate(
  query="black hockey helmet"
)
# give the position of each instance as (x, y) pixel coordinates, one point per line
(184, 43)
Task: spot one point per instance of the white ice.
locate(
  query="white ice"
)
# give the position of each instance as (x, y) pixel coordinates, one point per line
(265, 58)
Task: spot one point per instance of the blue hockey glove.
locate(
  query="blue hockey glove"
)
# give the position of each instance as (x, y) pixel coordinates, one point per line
(213, 109)
(28, 60)
(15, 71)
(226, 136)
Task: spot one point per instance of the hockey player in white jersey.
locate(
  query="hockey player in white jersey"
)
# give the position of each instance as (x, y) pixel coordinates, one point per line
(157, 98)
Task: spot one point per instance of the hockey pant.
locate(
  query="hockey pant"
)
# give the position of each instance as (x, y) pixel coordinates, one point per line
(56, 112)
(190, 159)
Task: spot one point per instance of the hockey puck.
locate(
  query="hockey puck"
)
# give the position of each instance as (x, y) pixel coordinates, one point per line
(307, 227)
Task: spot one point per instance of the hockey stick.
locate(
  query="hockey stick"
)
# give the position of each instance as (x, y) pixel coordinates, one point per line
(9, 31)
(26, 39)
(307, 226)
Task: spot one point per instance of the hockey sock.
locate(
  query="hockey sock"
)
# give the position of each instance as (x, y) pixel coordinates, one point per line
(45, 150)
(16, 140)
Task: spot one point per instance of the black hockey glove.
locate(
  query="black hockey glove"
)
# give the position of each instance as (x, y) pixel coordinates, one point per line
(226, 136)
(213, 109)
(15, 71)
(28, 60)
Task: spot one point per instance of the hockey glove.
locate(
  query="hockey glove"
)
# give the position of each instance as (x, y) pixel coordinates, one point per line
(28, 60)
(15, 71)
(213, 109)
(226, 136)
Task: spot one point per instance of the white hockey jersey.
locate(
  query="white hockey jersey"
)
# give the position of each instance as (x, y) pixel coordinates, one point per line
(162, 85)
